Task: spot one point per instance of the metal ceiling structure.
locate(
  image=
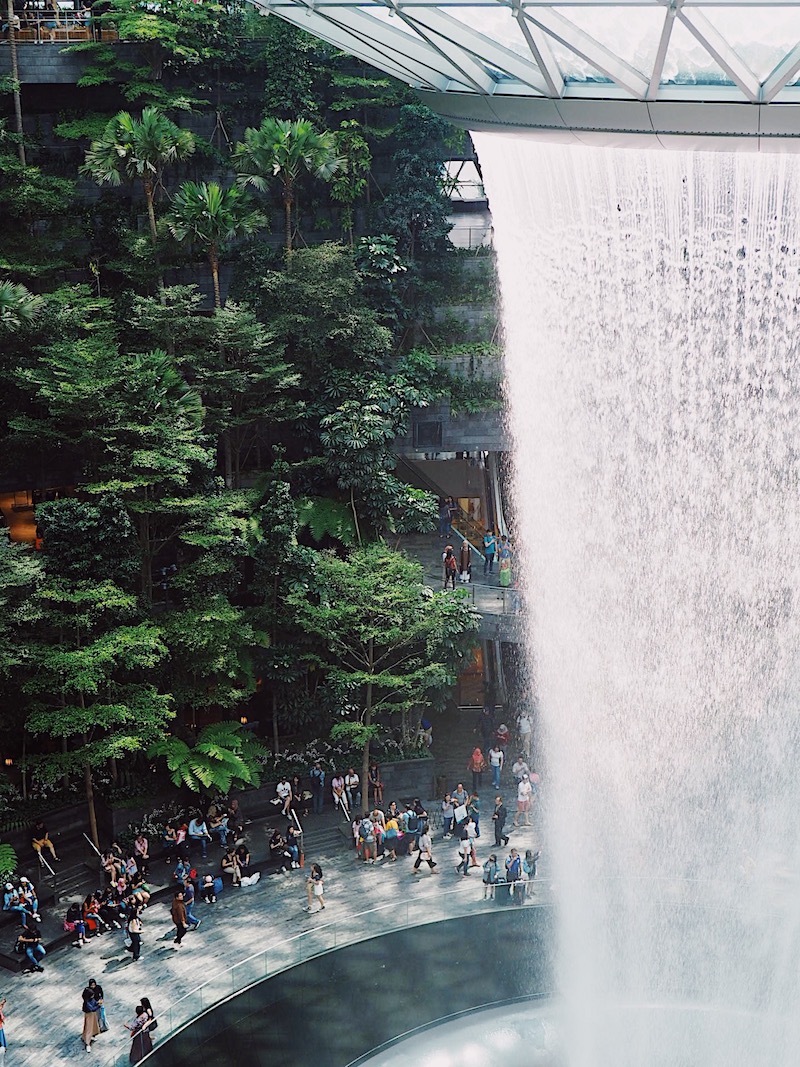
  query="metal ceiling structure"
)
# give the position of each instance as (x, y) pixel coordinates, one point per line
(718, 73)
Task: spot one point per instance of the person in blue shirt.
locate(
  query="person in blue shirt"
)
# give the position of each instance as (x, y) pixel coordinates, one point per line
(489, 551)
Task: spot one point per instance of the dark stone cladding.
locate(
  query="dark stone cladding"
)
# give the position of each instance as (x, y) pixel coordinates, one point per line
(330, 1010)
(52, 64)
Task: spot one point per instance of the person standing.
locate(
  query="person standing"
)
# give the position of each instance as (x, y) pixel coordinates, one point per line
(317, 776)
(315, 887)
(474, 811)
(92, 999)
(489, 550)
(425, 851)
(465, 562)
(504, 562)
(3, 1042)
(499, 817)
(449, 567)
(142, 1042)
(134, 930)
(491, 872)
(447, 817)
(178, 913)
(375, 784)
(525, 729)
(524, 791)
(477, 765)
(496, 760)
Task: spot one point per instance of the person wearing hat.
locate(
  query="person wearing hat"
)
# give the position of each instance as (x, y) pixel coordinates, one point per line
(524, 791)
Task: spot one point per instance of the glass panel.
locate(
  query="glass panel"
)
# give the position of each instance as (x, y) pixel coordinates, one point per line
(761, 36)
(631, 33)
(498, 25)
(688, 63)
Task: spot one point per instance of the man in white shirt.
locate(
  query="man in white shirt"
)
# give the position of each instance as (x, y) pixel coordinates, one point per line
(525, 727)
(352, 792)
(198, 831)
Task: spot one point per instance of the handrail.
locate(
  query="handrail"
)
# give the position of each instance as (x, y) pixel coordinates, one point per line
(93, 846)
(415, 916)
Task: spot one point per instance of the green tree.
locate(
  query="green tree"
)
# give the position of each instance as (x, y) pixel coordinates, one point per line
(350, 181)
(285, 150)
(222, 757)
(17, 305)
(138, 150)
(389, 644)
(209, 217)
(85, 664)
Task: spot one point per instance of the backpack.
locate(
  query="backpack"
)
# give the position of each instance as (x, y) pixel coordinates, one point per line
(367, 831)
(450, 563)
(413, 822)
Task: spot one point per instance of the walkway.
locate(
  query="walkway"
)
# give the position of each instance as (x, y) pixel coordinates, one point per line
(44, 1010)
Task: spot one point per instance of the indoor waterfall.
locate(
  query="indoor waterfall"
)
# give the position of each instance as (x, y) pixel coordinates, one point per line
(651, 328)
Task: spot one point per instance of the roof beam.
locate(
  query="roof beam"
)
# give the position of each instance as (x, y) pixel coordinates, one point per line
(471, 71)
(540, 50)
(493, 53)
(663, 45)
(715, 44)
(579, 42)
(781, 76)
(355, 33)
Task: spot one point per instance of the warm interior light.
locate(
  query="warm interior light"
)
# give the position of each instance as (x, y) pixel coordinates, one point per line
(243, 720)
(9, 762)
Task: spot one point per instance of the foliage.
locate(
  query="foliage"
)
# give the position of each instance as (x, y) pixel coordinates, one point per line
(350, 180)
(8, 861)
(324, 517)
(223, 756)
(17, 305)
(206, 216)
(285, 150)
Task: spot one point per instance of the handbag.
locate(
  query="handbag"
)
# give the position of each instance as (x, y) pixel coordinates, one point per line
(127, 940)
(91, 1004)
(101, 1018)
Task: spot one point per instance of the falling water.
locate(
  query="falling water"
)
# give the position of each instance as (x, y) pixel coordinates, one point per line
(652, 306)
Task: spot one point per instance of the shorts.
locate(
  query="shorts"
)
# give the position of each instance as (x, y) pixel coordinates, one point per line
(522, 805)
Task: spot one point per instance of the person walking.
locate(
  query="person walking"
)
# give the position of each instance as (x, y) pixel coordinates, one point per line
(315, 887)
(178, 913)
(489, 550)
(464, 852)
(189, 897)
(92, 999)
(496, 760)
(425, 851)
(499, 817)
(477, 765)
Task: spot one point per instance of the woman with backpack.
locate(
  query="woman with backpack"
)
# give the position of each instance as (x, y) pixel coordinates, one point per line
(92, 999)
(450, 567)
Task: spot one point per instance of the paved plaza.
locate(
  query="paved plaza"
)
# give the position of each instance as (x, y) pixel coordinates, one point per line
(266, 921)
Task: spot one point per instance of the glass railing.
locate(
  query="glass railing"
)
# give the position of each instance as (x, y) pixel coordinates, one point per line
(283, 954)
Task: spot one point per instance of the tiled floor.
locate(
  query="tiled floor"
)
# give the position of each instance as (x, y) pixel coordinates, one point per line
(44, 1010)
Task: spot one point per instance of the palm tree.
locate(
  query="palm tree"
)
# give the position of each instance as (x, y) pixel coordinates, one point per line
(284, 150)
(138, 150)
(207, 216)
(17, 305)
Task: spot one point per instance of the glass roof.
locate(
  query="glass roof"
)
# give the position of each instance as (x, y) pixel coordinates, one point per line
(644, 50)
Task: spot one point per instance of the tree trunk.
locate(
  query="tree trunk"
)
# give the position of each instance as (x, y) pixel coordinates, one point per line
(274, 721)
(288, 200)
(367, 722)
(213, 259)
(355, 514)
(12, 44)
(88, 785)
(151, 211)
(227, 452)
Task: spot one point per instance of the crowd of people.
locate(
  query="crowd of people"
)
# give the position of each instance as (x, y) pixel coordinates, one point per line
(386, 833)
